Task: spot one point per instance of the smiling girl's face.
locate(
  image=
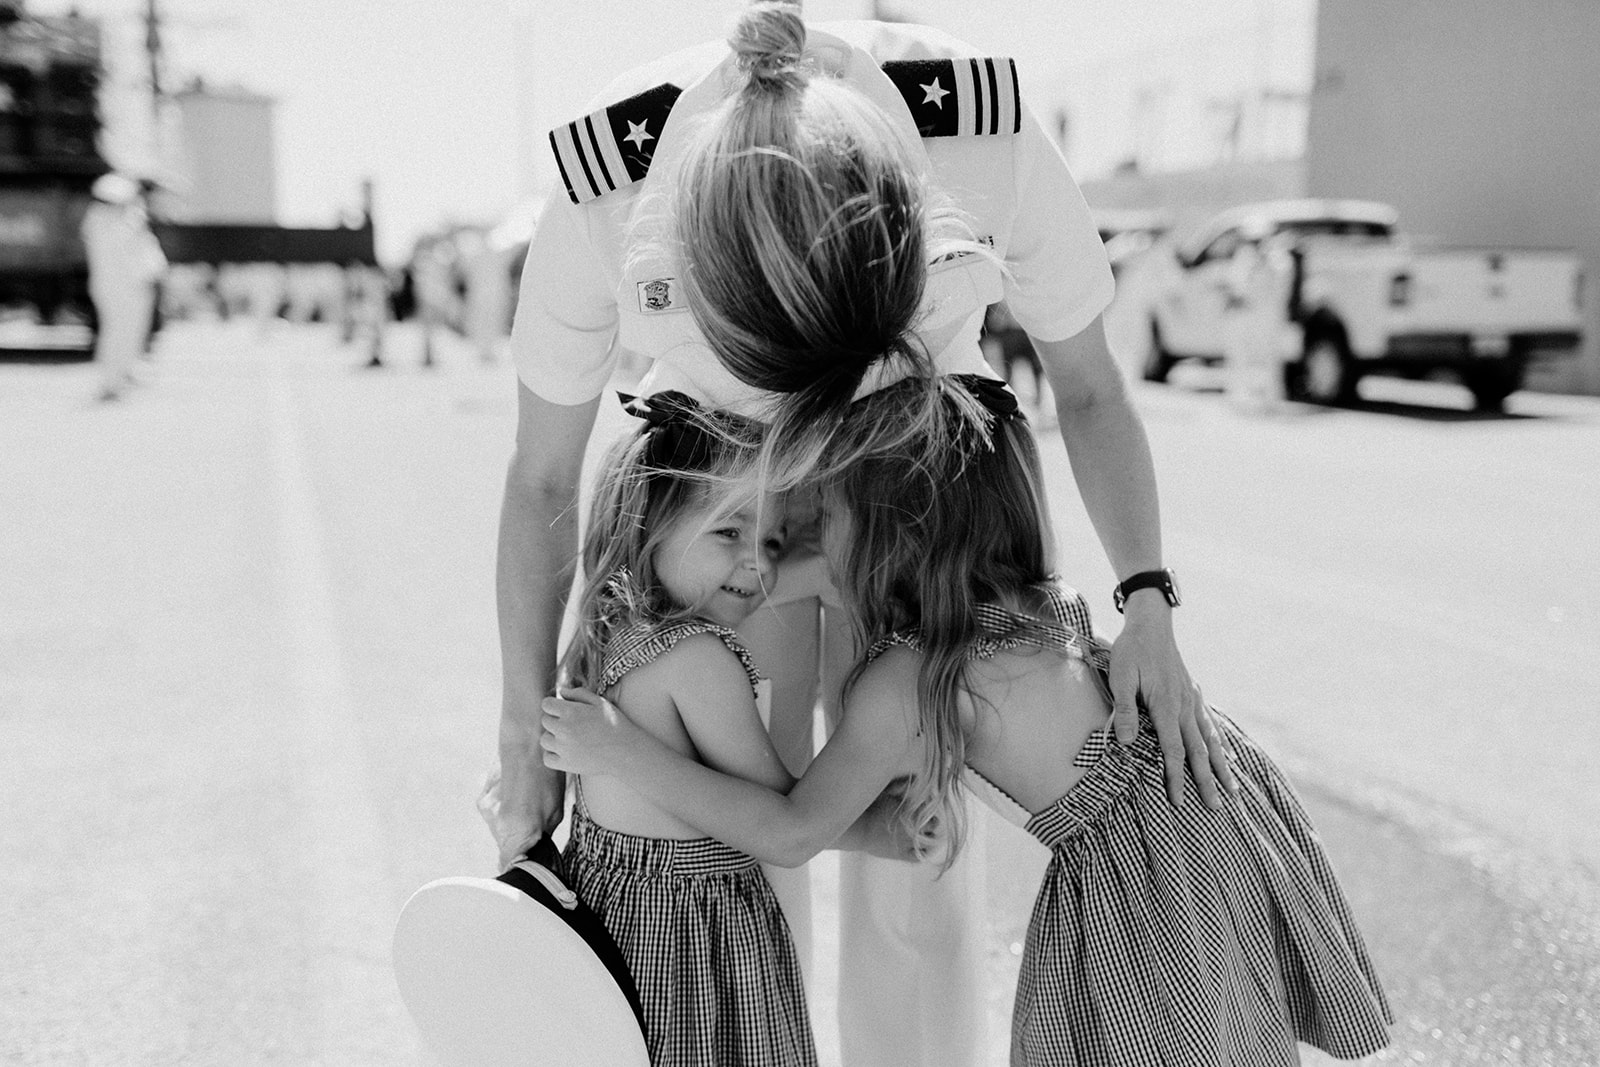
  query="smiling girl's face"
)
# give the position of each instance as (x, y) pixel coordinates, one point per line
(721, 565)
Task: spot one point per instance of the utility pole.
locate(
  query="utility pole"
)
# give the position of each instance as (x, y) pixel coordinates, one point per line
(152, 47)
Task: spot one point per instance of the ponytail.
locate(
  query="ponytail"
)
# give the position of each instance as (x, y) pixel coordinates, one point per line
(768, 38)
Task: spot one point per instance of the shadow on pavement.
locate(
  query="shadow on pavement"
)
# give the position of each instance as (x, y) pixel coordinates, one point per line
(1432, 413)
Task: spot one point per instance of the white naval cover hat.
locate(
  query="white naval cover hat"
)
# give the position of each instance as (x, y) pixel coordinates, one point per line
(514, 971)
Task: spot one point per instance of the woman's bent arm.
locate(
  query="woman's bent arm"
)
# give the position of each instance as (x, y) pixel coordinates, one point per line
(1111, 463)
(536, 560)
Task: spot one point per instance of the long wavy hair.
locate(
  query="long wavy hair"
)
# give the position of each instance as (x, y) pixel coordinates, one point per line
(805, 229)
(944, 513)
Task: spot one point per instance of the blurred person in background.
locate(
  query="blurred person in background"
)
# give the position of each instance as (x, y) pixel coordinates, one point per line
(1259, 339)
(792, 340)
(1008, 350)
(125, 268)
(266, 286)
(486, 313)
(366, 309)
(433, 270)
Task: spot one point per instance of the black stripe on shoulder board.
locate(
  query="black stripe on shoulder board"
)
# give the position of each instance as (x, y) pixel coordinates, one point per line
(611, 148)
(965, 97)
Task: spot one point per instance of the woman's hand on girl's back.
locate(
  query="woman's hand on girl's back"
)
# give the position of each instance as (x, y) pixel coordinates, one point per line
(584, 733)
(1145, 665)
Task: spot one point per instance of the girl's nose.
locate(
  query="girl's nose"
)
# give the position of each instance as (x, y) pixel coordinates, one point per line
(763, 564)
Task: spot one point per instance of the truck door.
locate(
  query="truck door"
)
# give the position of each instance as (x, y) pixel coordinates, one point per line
(1193, 322)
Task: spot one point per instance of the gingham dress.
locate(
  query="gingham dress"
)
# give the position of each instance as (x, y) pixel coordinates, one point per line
(1165, 936)
(697, 922)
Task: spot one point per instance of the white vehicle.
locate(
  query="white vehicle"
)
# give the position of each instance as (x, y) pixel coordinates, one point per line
(1364, 299)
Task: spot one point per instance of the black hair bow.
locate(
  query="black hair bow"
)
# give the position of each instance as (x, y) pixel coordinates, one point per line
(682, 435)
(996, 397)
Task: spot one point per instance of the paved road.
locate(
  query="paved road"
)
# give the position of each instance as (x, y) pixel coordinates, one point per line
(248, 687)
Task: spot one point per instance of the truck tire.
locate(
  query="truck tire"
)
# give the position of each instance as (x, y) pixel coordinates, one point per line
(1325, 374)
(1158, 362)
(1490, 384)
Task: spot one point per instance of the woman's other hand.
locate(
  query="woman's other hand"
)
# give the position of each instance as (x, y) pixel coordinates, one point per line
(1145, 662)
(514, 832)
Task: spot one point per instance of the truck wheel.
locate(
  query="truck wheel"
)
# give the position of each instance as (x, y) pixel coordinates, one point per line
(1491, 384)
(1158, 362)
(1326, 374)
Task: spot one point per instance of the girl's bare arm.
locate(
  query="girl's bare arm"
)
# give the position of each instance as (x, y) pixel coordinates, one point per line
(873, 746)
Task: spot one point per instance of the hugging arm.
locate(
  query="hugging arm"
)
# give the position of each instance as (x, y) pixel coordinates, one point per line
(712, 694)
(870, 749)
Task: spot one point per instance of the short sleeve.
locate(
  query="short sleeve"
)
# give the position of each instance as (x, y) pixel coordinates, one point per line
(561, 339)
(1059, 276)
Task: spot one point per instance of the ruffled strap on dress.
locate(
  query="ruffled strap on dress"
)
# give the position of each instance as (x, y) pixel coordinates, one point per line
(644, 642)
(1069, 631)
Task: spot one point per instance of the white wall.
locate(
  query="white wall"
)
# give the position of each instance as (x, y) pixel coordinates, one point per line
(1478, 119)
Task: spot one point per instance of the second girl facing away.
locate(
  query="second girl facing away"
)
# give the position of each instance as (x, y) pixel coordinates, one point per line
(1161, 934)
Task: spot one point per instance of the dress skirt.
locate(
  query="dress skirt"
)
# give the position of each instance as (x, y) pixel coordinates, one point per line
(1165, 936)
(706, 941)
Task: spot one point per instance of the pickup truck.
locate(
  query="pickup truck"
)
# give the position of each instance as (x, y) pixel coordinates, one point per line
(1363, 299)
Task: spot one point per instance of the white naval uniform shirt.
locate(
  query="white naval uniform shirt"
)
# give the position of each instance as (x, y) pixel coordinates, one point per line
(582, 298)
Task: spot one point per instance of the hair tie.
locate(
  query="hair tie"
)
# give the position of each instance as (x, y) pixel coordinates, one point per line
(995, 396)
(768, 66)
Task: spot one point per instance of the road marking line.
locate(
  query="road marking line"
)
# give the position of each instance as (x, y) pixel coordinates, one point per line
(359, 1017)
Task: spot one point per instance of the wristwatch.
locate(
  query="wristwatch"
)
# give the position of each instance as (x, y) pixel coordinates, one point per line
(1163, 580)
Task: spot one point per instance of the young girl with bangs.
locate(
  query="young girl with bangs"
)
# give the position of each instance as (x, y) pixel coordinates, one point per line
(669, 571)
(1161, 934)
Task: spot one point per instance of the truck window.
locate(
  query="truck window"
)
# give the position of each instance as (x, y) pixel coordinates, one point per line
(1222, 246)
(1334, 228)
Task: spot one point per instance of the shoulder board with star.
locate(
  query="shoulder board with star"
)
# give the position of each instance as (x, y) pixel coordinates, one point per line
(612, 147)
(963, 97)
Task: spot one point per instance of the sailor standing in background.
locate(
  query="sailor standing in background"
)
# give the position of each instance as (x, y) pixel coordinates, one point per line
(486, 304)
(125, 267)
(1259, 337)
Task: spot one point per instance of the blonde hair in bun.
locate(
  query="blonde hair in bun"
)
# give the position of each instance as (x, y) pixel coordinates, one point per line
(768, 39)
(803, 226)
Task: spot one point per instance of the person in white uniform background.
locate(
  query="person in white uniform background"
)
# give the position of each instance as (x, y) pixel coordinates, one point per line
(1259, 336)
(125, 265)
(663, 206)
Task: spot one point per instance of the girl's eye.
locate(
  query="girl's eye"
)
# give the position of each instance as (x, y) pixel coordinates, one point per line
(729, 532)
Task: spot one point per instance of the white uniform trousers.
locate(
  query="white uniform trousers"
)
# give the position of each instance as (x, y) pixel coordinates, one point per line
(124, 311)
(910, 942)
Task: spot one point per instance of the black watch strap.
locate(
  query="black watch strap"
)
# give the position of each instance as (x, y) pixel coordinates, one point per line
(1163, 580)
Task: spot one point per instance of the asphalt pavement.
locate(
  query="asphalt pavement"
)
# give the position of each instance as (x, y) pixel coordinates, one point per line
(249, 681)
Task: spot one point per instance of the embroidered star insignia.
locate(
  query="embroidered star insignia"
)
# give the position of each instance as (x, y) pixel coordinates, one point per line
(638, 134)
(936, 93)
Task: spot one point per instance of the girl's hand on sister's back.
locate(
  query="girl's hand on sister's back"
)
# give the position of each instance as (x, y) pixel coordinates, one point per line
(584, 733)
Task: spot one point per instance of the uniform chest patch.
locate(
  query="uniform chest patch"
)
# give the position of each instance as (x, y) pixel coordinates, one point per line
(660, 295)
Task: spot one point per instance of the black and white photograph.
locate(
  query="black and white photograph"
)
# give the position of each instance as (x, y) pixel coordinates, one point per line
(799, 533)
